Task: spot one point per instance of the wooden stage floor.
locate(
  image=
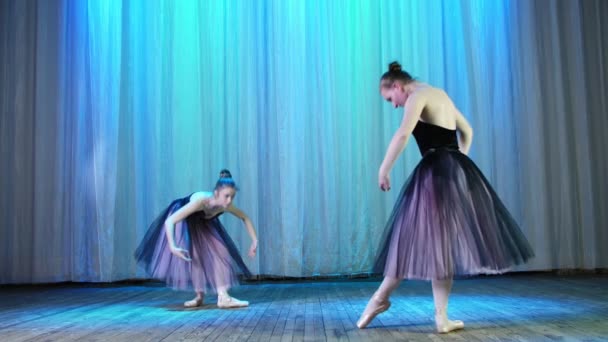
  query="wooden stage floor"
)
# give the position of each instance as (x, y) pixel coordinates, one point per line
(512, 307)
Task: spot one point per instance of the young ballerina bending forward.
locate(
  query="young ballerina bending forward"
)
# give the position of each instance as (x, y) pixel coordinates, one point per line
(188, 247)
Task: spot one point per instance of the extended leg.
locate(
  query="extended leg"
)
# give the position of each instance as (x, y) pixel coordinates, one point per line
(379, 301)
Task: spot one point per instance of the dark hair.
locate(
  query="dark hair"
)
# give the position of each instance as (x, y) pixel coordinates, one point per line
(395, 74)
(225, 180)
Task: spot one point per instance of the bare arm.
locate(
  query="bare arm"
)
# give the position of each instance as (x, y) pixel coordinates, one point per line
(465, 132)
(176, 217)
(411, 114)
(249, 225)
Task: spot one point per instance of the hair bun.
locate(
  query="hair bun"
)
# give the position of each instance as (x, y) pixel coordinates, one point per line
(225, 174)
(394, 66)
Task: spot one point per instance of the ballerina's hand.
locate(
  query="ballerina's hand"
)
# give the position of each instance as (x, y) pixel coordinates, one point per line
(384, 182)
(181, 253)
(253, 249)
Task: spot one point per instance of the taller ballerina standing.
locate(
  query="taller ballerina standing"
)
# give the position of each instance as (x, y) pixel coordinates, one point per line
(447, 220)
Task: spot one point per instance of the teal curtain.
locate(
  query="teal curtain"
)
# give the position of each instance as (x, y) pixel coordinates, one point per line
(110, 109)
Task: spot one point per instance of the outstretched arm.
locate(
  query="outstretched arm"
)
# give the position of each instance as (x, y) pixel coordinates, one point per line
(173, 219)
(411, 114)
(249, 225)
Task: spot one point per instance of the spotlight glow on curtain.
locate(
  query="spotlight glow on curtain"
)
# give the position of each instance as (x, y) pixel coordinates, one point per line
(111, 109)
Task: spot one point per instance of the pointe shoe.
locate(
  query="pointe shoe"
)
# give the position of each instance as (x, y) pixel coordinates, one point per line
(374, 307)
(445, 326)
(227, 302)
(194, 303)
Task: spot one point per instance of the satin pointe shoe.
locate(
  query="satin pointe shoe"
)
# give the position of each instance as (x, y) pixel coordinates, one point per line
(227, 302)
(374, 307)
(445, 326)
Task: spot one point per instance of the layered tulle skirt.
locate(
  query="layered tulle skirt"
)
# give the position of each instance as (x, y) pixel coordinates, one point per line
(447, 222)
(215, 264)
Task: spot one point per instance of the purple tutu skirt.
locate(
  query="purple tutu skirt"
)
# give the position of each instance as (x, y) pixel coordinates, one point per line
(447, 222)
(215, 264)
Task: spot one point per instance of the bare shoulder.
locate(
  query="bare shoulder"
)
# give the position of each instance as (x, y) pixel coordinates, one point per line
(436, 93)
(439, 108)
(431, 94)
(200, 197)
